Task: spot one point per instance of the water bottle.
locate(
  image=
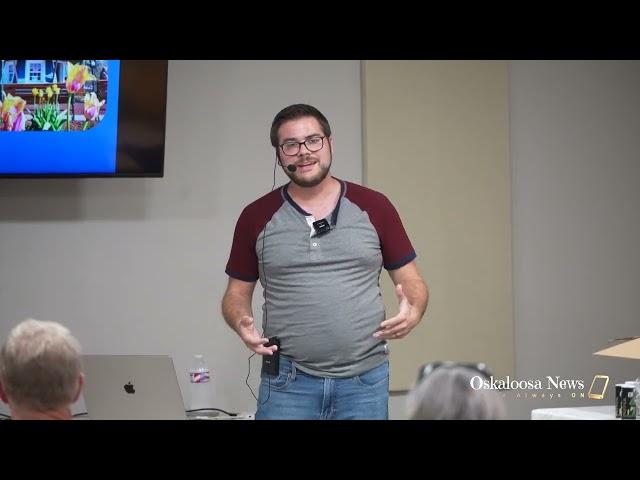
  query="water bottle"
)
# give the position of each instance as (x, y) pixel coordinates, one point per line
(200, 383)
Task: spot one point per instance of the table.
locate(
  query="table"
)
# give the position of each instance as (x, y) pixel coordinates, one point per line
(603, 412)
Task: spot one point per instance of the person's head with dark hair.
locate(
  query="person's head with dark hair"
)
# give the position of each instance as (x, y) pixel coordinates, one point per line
(294, 112)
(454, 392)
(301, 135)
(40, 371)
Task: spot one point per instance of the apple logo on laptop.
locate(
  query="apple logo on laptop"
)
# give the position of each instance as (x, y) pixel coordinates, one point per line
(129, 388)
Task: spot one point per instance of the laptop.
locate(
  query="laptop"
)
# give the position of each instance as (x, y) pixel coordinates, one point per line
(132, 387)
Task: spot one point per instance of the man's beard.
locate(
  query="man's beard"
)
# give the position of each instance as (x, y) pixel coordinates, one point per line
(313, 181)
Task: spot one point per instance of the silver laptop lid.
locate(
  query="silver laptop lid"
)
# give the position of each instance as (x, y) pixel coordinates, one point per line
(132, 387)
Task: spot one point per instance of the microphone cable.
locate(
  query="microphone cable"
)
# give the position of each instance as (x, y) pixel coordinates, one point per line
(264, 294)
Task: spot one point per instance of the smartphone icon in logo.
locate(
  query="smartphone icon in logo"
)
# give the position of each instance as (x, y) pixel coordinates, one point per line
(598, 387)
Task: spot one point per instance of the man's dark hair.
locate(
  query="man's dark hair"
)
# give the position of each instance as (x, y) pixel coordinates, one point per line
(293, 112)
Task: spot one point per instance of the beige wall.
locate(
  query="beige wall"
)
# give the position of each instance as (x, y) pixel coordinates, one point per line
(436, 143)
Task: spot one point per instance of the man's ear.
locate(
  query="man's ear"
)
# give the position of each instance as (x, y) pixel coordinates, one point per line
(80, 385)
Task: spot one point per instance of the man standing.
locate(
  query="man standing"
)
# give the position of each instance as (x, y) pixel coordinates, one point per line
(318, 244)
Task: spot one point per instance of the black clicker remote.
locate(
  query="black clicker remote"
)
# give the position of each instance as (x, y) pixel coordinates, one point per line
(271, 363)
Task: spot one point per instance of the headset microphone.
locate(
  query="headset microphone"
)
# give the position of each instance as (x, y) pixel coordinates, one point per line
(292, 168)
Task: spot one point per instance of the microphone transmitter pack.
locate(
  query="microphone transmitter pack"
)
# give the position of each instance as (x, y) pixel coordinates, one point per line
(321, 226)
(271, 363)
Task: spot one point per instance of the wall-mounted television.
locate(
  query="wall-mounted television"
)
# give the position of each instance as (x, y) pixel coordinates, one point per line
(82, 118)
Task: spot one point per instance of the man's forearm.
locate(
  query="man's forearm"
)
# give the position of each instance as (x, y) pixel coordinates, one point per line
(234, 307)
(417, 293)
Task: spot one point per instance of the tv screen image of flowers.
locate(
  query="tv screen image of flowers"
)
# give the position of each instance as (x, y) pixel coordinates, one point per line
(59, 116)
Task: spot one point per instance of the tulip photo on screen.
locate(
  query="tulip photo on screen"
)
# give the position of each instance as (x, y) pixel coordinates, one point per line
(52, 95)
(82, 118)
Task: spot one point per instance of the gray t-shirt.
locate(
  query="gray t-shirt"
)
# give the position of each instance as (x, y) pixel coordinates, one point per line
(322, 295)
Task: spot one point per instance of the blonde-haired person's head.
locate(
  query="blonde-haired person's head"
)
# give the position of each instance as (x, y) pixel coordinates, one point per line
(447, 394)
(40, 370)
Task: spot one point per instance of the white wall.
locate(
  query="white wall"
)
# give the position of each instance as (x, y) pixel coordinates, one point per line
(575, 143)
(136, 266)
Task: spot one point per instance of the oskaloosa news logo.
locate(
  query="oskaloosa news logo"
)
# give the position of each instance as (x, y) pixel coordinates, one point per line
(596, 391)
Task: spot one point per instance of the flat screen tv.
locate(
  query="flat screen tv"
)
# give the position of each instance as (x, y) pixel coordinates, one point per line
(82, 118)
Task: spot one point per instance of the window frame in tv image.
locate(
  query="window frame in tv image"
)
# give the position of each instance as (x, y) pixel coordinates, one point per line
(127, 132)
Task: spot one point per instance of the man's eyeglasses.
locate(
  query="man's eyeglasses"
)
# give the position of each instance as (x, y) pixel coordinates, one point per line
(427, 369)
(292, 148)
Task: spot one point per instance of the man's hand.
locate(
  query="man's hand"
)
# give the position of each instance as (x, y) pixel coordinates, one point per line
(252, 339)
(400, 325)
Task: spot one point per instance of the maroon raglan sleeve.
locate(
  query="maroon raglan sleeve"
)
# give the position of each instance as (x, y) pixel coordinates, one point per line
(243, 261)
(396, 247)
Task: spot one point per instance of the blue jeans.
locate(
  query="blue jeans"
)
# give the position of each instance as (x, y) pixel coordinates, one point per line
(295, 395)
